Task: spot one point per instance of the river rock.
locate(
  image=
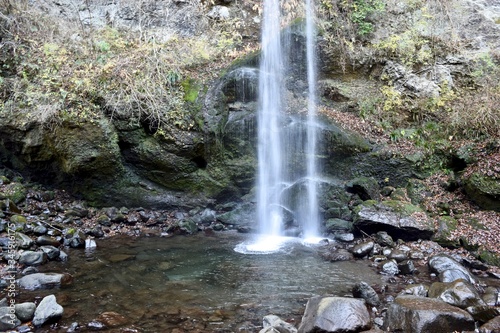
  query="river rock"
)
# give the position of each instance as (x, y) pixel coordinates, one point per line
(334, 254)
(363, 249)
(397, 218)
(44, 281)
(491, 296)
(449, 269)
(406, 267)
(32, 258)
(274, 323)
(51, 251)
(40, 230)
(335, 314)
(8, 320)
(23, 241)
(25, 311)
(398, 255)
(423, 315)
(47, 311)
(335, 225)
(420, 290)
(390, 267)
(345, 237)
(112, 319)
(459, 293)
(365, 291)
(483, 313)
(492, 326)
(384, 239)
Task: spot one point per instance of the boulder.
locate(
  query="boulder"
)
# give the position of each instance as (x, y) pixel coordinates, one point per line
(399, 219)
(32, 258)
(483, 190)
(334, 254)
(365, 291)
(44, 281)
(458, 293)
(449, 269)
(51, 251)
(366, 188)
(422, 315)
(23, 241)
(47, 311)
(362, 249)
(25, 311)
(420, 290)
(8, 320)
(492, 326)
(335, 314)
(384, 239)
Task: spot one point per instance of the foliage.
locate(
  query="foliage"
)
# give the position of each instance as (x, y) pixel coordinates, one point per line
(51, 75)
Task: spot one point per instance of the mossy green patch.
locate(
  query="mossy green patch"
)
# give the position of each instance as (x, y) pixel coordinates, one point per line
(191, 90)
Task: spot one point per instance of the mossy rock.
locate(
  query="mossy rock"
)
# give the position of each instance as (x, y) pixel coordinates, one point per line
(446, 225)
(484, 191)
(488, 257)
(366, 187)
(18, 219)
(334, 225)
(15, 192)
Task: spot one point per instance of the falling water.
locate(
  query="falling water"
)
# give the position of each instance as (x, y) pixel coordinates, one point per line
(280, 141)
(270, 177)
(311, 222)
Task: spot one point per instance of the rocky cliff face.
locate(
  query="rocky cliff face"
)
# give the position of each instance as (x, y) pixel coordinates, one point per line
(404, 51)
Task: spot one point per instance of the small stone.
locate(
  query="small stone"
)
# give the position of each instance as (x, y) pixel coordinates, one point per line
(51, 251)
(25, 311)
(32, 258)
(47, 311)
(390, 267)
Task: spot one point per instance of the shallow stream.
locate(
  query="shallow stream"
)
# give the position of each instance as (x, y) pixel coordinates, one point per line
(195, 283)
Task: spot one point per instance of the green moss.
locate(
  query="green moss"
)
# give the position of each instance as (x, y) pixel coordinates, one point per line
(15, 192)
(191, 90)
(488, 257)
(402, 207)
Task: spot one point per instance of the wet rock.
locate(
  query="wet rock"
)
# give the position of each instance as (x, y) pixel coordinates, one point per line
(25, 311)
(32, 258)
(423, 315)
(335, 314)
(491, 296)
(334, 254)
(47, 311)
(459, 293)
(274, 323)
(449, 269)
(40, 230)
(47, 240)
(18, 219)
(8, 320)
(73, 327)
(51, 251)
(344, 237)
(419, 290)
(365, 291)
(77, 211)
(398, 255)
(362, 249)
(365, 187)
(44, 281)
(483, 313)
(394, 217)
(384, 239)
(112, 319)
(492, 326)
(23, 241)
(188, 226)
(75, 239)
(390, 267)
(406, 267)
(335, 225)
(90, 244)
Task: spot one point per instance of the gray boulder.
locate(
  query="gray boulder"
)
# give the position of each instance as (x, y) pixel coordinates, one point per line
(51, 251)
(449, 269)
(335, 315)
(363, 249)
(32, 258)
(47, 311)
(334, 254)
(25, 311)
(422, 315)
(44, 281)
(399, 219)
(365, 291)
(491, 326)
(23, 241)
(8, 320)
(459, 293)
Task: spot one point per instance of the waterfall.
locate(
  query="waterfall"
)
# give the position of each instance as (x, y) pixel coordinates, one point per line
(287, 168)
(311, 220)
(270, 170)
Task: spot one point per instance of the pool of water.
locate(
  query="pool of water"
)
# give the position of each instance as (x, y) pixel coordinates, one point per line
(196, 283)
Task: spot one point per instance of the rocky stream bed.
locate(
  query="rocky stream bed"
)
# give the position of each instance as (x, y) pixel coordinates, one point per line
(397, 286)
